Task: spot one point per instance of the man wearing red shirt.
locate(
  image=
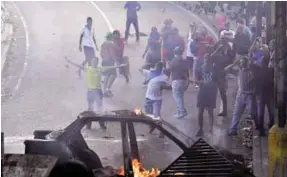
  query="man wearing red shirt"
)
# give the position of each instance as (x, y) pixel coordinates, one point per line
(120, 59)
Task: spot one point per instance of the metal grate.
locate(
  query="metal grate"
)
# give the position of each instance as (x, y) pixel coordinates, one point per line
(200, 160)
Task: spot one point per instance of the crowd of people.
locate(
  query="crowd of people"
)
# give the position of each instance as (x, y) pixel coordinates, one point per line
(175, 63)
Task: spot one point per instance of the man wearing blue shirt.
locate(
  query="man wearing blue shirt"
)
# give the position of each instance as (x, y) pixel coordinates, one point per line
(132, 18)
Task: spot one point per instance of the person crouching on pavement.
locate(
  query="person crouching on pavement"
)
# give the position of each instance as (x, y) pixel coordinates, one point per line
(180, 80)
(152, 50)
(156, 82)
(206, 98)
(108, 59)
(245, 94)
(120, 59)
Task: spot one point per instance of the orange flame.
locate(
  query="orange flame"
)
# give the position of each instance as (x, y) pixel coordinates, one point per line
(140, 171)
(138, 111)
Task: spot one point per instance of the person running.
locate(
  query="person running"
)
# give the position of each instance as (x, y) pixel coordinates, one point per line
(108, 59)
(165, 32)
(180, 79)
(152, 50)
(132, 18)
(206, 98)
(95, 93)
(88, 42)
(120, 59)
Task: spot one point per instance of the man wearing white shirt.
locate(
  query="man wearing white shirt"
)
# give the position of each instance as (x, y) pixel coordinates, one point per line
(155, 86)
(88, 42)
(227, 33)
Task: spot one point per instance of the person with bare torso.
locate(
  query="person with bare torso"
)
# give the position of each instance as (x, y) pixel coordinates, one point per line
(108, 59)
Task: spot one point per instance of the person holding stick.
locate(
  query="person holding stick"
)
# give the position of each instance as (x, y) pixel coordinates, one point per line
(95, 93)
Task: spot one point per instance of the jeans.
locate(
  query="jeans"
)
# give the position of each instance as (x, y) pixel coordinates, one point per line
(95, 95)
(197, 63)
(222, 87)
(89, 55)
(133, 21)
(265, 99)
(178, 89)
(242, 101)
(153, 107)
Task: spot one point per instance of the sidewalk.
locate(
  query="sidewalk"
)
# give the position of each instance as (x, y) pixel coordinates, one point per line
(6, 34)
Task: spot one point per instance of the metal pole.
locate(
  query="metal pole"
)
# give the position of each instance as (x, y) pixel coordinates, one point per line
(280, 60)
(258, 18)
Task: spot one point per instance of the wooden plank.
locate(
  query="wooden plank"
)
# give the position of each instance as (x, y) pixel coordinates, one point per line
(24, 165)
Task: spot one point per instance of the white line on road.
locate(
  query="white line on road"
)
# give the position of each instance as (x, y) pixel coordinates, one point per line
(27, 48)
(103, 15)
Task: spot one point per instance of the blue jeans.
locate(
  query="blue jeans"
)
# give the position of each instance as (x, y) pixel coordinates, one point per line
(242, 101)
(153, 107)
(95, 95)
(178, 89)
(196, 67)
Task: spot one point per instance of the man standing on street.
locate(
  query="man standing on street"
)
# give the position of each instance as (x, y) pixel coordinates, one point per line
(180, 78)
(132, 18)
(88, 41)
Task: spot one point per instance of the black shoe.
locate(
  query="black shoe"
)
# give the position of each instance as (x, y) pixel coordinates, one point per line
(222, 114)
(232, 133)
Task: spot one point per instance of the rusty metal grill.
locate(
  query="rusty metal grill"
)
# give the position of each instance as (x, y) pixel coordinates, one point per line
(200, 160)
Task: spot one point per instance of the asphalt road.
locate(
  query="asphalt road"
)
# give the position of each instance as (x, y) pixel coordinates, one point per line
(47, 95)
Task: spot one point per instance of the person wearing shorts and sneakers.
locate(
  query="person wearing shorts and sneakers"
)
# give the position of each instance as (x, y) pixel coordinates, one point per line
(88, 43)
(180, 80)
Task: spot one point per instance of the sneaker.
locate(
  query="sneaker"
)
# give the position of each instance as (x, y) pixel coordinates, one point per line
(199, 133)
(232, 133)
(180, 116)
(222, 114)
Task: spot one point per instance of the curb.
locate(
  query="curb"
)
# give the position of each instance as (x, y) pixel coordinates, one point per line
(6, 37)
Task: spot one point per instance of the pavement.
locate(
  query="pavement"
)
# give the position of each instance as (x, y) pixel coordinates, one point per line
(39, 92)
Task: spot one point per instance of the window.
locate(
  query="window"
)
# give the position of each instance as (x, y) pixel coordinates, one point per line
(106, 143)
(155, 152)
